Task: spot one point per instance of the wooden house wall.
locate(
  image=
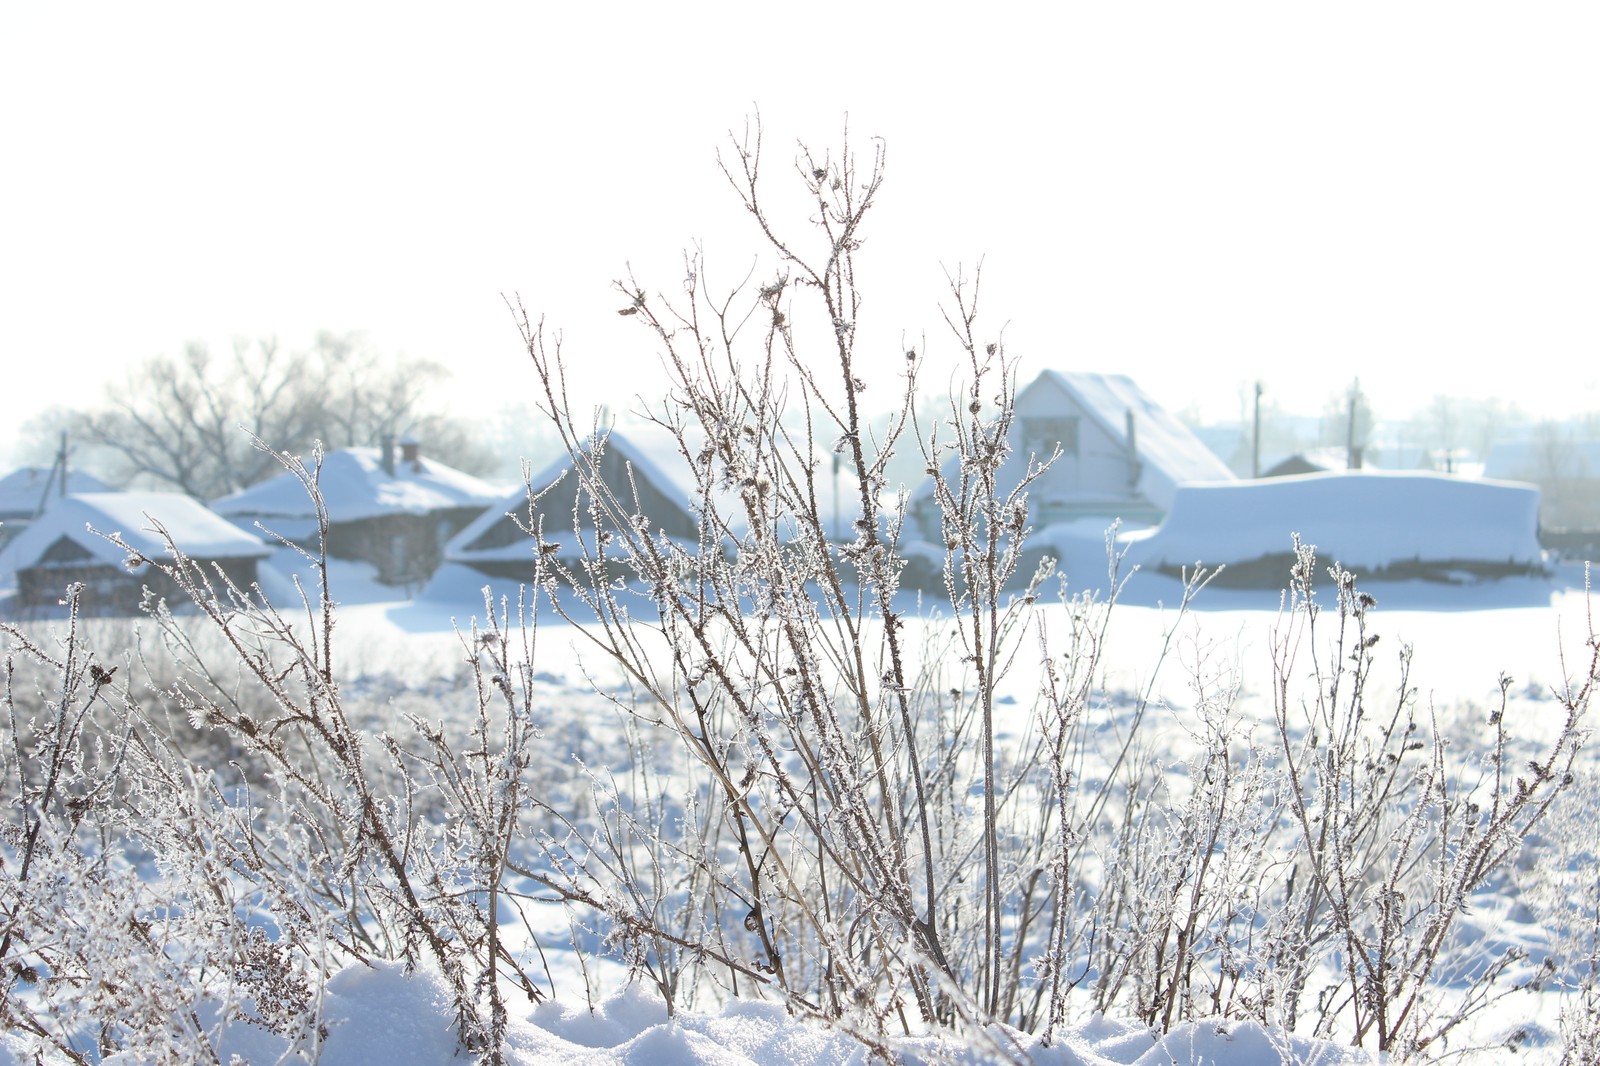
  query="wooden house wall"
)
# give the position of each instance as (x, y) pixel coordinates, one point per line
(112, 591)
(404, 548)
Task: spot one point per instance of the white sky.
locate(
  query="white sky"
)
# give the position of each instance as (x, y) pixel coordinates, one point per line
(1196, 195)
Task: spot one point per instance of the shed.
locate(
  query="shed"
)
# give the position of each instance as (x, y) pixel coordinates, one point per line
(1382, 525)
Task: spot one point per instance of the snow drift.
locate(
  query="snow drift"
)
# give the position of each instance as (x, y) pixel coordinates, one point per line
(1385, 526)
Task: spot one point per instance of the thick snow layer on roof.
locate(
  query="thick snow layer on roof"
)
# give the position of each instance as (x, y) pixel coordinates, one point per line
(1166, 446)
(135, 516)
(1370, 519)
(655, 461)
(1169, 452)
(24, 489)
(355, 485)
(460, 546)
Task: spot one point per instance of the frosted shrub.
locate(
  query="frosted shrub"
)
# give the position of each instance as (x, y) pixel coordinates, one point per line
(1394, 828)
(153, 898)
(860, 843)
(859, 839)
(826, 792)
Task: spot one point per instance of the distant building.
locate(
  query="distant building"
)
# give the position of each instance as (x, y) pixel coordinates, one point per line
(1331, 459)
(498, 545)
(1123, 456)
(65, 545)
(393, 511)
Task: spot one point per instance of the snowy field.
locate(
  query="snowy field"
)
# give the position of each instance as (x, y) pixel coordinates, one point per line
(1465, 639)
(1534, 631)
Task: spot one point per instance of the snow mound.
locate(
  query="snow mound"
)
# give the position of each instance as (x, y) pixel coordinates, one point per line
(381, 1015)
(1430, 526)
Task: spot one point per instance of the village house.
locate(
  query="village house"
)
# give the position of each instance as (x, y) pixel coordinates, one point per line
(498, 544)
(1122, 456)
(69, 543)
(392, 511)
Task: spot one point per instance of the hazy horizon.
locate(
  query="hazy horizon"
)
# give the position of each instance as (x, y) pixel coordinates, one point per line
(1199, 198)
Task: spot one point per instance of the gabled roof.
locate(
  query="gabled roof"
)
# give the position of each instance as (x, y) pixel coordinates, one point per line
(355, 485)
(24, 489)
(1323, 460)
(1169, 453)
(198, 532)
(1167, 448)
(494, 536)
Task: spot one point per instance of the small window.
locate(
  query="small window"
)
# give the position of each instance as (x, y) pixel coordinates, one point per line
(1043, 435)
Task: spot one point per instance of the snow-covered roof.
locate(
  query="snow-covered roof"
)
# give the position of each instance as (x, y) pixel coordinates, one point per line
(199, 533)
(355, 485)
(24, 489)
(1367, 520)
(472, 544)
(1168, 449)
(465, 546)
(1169, 452)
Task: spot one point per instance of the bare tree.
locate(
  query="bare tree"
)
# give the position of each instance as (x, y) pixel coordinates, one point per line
(1457, 427)
(177, 421)
(189, 422)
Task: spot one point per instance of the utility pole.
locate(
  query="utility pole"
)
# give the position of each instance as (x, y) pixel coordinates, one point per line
(837, 534)
(1255, 437)
(57, 478)
(61, 463)
(1352, 450)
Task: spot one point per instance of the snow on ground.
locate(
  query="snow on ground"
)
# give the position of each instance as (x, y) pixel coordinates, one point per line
(1367, 520)
(1533, 628)
(381, 1016)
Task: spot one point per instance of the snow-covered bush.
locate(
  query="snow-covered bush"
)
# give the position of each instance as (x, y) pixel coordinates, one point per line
(155, 895)
(899, 817)
(856, 837)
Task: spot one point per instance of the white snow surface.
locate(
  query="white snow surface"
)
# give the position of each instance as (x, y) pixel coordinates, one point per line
(24, 489)
(1168, 449)
(137, 516)
(1370, 519)
(355, 485)
(382, 1016)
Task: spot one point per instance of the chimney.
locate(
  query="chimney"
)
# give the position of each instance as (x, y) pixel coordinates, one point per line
(411, 452)
(388, 454)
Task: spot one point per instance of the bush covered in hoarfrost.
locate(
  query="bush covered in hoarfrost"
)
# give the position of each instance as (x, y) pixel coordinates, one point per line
(819, 797)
